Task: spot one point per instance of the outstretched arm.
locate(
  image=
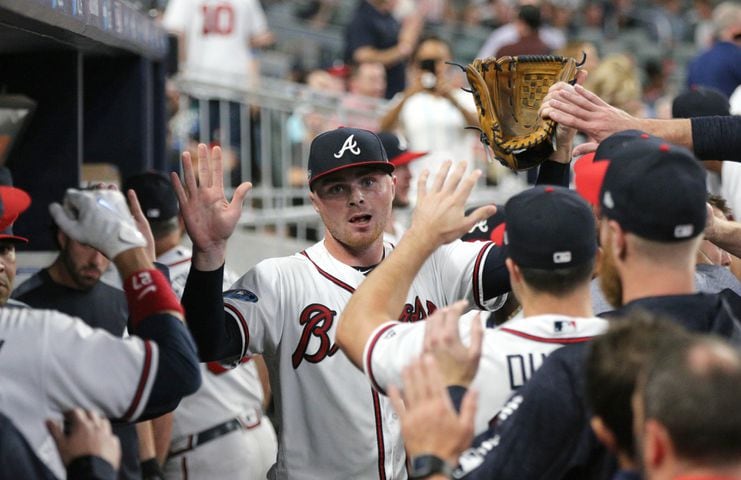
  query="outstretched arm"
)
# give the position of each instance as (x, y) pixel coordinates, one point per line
(439, 218)
(210, 220)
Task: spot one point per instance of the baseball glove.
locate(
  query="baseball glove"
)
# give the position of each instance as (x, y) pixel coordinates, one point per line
(508, 92)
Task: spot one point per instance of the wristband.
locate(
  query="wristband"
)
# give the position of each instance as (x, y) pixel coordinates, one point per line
(148, 292)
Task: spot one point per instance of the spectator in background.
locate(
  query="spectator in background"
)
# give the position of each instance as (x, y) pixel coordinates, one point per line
(506, 34)
(216, 42)
(528, 24)
(431, 114)
(374, 35)
(366, 88)
(616, 81)
(720, 66)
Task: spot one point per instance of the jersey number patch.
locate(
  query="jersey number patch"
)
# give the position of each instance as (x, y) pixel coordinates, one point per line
(218, 19)
(317, 321)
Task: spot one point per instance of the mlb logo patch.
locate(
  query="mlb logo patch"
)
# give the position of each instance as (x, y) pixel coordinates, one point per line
(564, 326)
(562, 257)
(683, 231)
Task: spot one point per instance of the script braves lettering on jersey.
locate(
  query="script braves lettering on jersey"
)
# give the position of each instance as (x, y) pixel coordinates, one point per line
(317, 320)
(415, 313)
(350, 144)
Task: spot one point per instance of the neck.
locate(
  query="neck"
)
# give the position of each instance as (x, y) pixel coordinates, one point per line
(59, 274)
(697, 472)
(644, 280)
(578, 303)
(390, 223)
(355, 257)
(164, 244)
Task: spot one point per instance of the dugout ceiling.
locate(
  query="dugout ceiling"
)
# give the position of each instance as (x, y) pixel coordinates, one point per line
(96, 70)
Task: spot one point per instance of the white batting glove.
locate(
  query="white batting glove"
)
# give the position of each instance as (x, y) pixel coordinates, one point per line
(99, 218)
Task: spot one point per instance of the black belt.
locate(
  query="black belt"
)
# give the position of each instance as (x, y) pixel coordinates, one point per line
(190, 442)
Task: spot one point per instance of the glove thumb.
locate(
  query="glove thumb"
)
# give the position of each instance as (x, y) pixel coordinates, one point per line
(63, 220)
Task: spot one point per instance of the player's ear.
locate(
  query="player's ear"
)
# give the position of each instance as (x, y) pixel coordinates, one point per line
(514, 271)
(313, 197)
(62, 239)
(603, 434)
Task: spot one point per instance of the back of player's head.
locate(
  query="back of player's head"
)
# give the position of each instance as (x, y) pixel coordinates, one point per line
(13, 202)
(653, 189)
(158, 200)
(550, 235)
(612, 367)
(693, 389)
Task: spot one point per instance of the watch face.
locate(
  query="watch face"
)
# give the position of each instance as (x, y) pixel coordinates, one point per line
(425, 465)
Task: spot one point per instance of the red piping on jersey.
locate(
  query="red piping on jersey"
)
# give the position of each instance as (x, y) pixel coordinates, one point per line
(142, 381)
(379, 437)
(245, 328)
(376, 400)
(546, 339)
(476, 287)
(184, 465)
(329, 276)
(179, 262)
(369, 355)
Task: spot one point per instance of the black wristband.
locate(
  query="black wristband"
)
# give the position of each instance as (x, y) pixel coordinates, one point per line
(151, 470)
(424, 466)
(90, 467)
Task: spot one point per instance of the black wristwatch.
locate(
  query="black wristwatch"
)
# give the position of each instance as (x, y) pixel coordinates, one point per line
(425, 465)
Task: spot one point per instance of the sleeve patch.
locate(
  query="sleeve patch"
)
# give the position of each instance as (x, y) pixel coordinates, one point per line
(242, 295)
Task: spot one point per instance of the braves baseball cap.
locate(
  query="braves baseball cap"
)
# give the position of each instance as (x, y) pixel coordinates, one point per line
(343, 148)
(491, 229)
(548, 228)
(396, 152)
(156, 195)
(654, 189)
(700, 102)
(13, 202)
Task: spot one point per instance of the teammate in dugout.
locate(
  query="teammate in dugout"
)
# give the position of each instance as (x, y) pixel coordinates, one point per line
(51, 363)
(287, 308)
(551, 249)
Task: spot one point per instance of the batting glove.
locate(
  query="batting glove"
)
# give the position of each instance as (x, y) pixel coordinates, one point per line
(99, 218)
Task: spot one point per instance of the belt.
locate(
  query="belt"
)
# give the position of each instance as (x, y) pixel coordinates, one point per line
(248, 421)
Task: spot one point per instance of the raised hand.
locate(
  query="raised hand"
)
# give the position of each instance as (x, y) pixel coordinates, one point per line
(209, 217)
(457, 363)
(142, 223)
(440, 212)
(429, 423)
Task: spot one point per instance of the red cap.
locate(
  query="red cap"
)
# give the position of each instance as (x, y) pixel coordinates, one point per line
(13, 202)
(588, 176)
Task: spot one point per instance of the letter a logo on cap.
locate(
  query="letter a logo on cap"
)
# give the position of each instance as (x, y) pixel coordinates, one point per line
(350, 144)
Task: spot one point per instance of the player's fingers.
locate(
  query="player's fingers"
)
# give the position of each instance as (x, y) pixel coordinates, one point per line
(480, 214)
(433, 383)
(456, 175)
(205, 177)
(466, 186)
(451, 318)
(440, 176)
(584, 148)
(191, 184)
(240, 194)
(477, 337)
(217, 167)
(412, 385)
(431, 327)
(177, 185)
(592, 97)
(581, 76)
(422, 185)
(468, 409)
(64, 222)
(396, 401)
(56, 432)
(134, 206)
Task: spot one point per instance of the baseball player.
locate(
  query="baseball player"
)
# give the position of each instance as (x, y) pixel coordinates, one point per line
(550, 263)
(334, 424)
(51, 363)
(218, 432)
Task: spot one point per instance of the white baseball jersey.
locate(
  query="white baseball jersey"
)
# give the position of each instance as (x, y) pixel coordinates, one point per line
(51, 362)
(217, 35)
(334, 424)
(510, 354)
(224, 394)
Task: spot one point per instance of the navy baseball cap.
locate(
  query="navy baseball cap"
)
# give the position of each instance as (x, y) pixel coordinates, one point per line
(156, 195)
(700, 102)
(343, 148)
(397, 153)
(548, 228)
(491, 229)
(654, 189)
